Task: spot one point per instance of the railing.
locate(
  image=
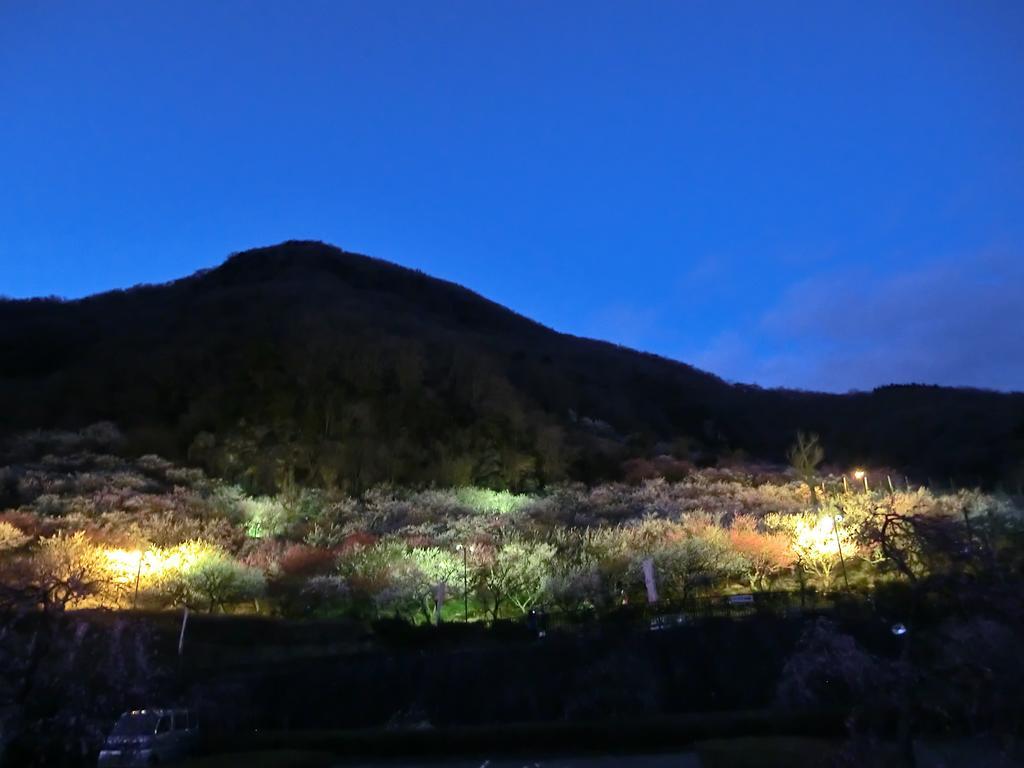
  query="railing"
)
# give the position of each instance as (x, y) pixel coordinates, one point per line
(665, 613)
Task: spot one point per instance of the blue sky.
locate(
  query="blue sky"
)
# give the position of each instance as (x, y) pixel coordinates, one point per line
(819, 195)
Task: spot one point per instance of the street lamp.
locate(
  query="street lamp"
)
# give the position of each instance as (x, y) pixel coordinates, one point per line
(860, 474)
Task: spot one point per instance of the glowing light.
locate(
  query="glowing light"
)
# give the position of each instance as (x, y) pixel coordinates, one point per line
(859, 474)
(817, 540)
(124, 565)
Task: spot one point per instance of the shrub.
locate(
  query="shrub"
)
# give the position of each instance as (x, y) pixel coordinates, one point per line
(26, 522)
(11, 537)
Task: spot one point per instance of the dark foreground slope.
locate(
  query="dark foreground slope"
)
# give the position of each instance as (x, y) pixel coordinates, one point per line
(302, 361)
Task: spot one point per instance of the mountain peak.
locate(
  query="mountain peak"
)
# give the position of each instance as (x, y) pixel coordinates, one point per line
(325, 361)
(293, 257)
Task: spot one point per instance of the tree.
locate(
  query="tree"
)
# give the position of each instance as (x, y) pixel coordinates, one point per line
(913, 537)
(805, 455)
(211, 578)
(391, 577)
(67, 569)
(517, 572)
(827, 668)
(694, 561)
(365, 569)
(765, 553)
(818, 540)
(435, 566)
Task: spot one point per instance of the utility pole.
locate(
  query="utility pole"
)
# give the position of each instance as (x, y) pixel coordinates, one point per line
(839, 545)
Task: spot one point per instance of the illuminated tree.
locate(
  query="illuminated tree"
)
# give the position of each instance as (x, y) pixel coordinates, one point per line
(265, 516)
(766, 554)
(913, 535)
(805, 455)
(412, 578)
(393, 578)
(819, 541)
(695, 561)
(486, 501)
(576, 588)
(367, 569)
(587, 562)
(210, 578)
(517, 573)
(68, 569)
(436, 566)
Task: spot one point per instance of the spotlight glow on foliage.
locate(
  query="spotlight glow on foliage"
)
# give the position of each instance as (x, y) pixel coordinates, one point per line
(817, 540)
(125, 564)
(486, 501)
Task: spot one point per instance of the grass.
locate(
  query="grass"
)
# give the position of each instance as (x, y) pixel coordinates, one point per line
(272, 759)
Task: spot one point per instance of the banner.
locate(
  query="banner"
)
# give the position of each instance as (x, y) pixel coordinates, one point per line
(652, 591)
(440, 592)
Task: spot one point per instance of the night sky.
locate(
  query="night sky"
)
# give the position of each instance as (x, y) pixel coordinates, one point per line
(820, 195)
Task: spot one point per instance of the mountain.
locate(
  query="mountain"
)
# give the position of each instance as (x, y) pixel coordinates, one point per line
(301, 362)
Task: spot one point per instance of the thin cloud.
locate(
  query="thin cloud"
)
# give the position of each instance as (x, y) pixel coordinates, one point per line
(957, 323)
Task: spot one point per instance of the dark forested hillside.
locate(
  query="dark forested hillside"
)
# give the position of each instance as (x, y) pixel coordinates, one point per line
(301, 362)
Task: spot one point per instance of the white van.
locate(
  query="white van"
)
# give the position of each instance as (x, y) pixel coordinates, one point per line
(146, 737)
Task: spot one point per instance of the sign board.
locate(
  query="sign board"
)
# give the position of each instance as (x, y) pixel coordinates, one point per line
(741, 599)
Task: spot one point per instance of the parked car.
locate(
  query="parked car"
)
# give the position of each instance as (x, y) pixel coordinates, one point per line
(147, 737)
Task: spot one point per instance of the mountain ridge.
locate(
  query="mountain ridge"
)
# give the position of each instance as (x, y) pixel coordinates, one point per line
(326, 366)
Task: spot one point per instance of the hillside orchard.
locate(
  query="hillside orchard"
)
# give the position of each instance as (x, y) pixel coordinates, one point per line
(83, 527)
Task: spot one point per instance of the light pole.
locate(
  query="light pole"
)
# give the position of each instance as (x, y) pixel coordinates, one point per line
(138, 576)
(465, 583)
(836, 519)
